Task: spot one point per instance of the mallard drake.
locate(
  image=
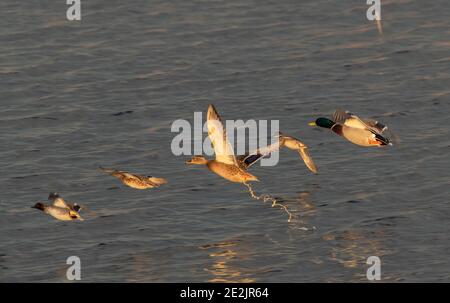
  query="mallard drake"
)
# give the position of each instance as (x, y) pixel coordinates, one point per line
(225, 164)
(135, 181)
(363, 132)
(60, 209)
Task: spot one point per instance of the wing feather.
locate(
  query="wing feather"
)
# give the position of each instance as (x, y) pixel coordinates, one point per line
(351, 120)
(307, 159)
(260, 153)
(59, 202)
(218, 136)
(302, 148)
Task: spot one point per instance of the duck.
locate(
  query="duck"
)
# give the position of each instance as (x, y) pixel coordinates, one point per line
(135, 181)
(58, 201)
(362, 132)
(225, 164)
(297, 145)
(287, 141)
(60, 209)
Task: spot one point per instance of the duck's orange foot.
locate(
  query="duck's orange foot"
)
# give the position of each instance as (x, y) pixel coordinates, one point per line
(374, 142)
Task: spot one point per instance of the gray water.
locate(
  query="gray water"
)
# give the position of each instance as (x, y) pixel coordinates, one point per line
(66, 88)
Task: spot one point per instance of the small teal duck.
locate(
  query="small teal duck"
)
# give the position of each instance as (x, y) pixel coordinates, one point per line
(60, 209)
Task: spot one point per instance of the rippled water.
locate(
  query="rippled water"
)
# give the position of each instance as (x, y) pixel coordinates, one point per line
(104, 91)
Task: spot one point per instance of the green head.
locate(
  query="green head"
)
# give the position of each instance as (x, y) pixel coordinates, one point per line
(323, 122)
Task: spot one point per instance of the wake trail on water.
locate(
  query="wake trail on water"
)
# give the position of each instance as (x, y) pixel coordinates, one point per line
(268, 198)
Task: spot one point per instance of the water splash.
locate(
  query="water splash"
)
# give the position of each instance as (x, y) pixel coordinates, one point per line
(266, 198)
(86, 211)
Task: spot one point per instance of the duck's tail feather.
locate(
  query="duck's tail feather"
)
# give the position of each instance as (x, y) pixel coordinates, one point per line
(158, 181)
(382, 140)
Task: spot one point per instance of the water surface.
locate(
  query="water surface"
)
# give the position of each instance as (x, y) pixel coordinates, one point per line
(105, 91)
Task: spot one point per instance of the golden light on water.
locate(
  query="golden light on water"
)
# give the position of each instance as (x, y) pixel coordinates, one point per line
(224, 268)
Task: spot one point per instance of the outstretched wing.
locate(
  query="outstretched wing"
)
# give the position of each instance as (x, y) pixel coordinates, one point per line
(59, 202)
(351, 120)
(118, 173)
(252, 158)
(375, 125)
(307, 159)
(340, 116)
(218, 136)
(302, 148)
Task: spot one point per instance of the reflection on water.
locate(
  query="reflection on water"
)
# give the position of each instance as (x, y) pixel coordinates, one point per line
(304, 209)
(306, 205)
(140, 264)
(225, 268)
(351, 248)
(76, 97)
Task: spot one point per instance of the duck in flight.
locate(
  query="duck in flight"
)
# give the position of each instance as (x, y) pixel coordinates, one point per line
(226, 163)
(362, 132)
(233, 168)
(135, 181)
(60, 209)
(297, 145)
(283, 141)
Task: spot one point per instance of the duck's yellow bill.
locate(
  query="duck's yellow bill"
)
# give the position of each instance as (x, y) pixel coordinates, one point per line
(312, 123)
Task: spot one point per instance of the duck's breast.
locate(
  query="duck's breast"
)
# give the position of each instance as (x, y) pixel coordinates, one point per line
(227, 171)
(59, 213)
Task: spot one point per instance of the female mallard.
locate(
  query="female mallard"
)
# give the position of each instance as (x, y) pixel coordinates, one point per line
(60, 209)
(135, 181)
(225, 164)
(295, 144)
(363, 132)
(283, 141)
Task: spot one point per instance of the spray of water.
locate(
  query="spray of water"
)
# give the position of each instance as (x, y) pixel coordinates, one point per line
(86, 212)
(267, 198)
